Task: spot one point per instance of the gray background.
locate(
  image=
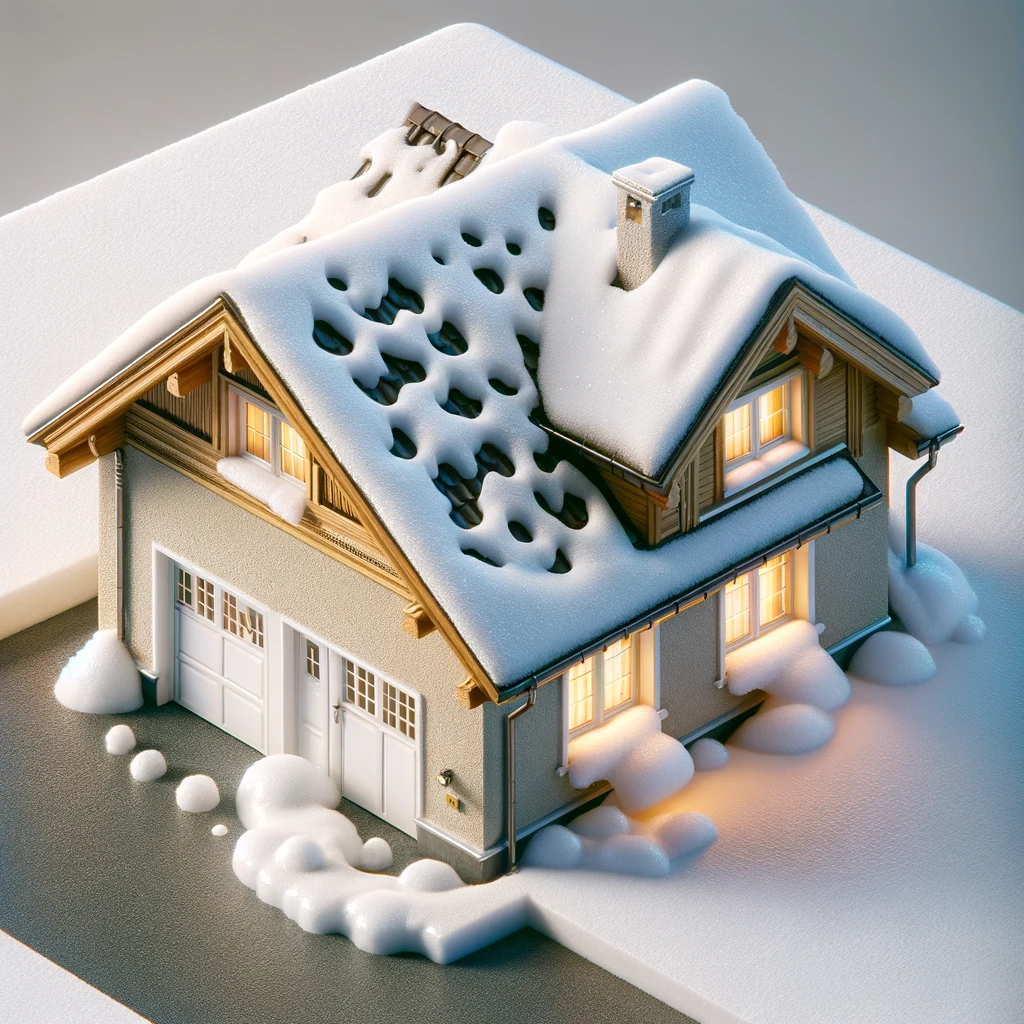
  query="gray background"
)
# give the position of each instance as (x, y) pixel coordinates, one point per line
(905, 119)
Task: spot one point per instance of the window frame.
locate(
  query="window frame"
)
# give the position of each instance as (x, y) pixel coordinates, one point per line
(382, 683)
(753, 578)
(242, 399)
(602, 715)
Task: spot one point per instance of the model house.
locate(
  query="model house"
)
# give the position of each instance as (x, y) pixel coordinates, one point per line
(570, 417)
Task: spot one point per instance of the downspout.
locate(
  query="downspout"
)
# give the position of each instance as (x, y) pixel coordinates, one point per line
(119, 548)
(934, 444)
(510, 754)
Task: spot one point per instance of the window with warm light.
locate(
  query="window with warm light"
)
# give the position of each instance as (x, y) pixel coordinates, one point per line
(759, 600)
(267, 437)
(763, 431)
(601, 685)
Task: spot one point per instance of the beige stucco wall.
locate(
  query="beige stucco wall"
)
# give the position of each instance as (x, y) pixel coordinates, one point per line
(293, 579)
(689, 669)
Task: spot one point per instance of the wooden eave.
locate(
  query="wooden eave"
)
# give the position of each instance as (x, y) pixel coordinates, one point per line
(794, 303)
(220, 323)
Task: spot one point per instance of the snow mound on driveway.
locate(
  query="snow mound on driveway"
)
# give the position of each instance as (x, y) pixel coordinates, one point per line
(148, 766)
(893, 659)
(606, 839)
(642, 764)
(304, 857)
(120, 739)
(101, 679)
(197, 794)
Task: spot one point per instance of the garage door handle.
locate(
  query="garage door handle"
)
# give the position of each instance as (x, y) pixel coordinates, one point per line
(337, 713)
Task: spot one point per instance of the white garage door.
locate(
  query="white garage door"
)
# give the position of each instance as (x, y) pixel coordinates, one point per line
(220, 656)
(380, 730)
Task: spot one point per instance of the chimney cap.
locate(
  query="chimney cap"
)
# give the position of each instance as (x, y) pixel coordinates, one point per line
(653, 179)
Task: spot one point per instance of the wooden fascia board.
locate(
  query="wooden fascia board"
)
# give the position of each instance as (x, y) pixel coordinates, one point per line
(817, 319)
(196, 338)
(365, 512)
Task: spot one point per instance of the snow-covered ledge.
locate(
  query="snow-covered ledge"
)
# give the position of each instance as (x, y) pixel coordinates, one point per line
(278, 494)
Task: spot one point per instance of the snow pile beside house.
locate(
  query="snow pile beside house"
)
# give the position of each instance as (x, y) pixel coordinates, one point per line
(893, 659)
(282, 496)
(120, 739)
(933, 599)
(607, 839)
(803, 682)
(304, 857)
(101, 679)
(708, 754)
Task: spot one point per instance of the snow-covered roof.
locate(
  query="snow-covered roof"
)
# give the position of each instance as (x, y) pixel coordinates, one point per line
(416, 338)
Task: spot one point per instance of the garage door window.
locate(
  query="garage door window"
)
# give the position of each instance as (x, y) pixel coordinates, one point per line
(245, 623)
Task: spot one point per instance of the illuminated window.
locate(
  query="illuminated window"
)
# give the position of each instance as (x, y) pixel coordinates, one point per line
(257, 431)
(601, 685)
(581, 694)
(772, 408)
(759, 599)
(737, 433)
(293, 453)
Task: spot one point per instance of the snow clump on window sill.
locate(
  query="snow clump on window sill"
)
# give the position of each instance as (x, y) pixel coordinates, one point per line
(283, 497)
(101, 679)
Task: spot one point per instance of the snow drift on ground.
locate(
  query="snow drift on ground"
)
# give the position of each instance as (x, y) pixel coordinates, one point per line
(893, 659)
(708, 754)
(632, 753)
(197, 794)
(148, 766)
(280, 494)
(933, 599)
(120, 739)
(101, 679)
(303, 857)
(606, 839)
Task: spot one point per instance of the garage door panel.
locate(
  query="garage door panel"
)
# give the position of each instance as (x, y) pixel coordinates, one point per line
(399, 784)
(199, 692)
(202, 643)
(361, 754)
(244, 668)
(243, 718)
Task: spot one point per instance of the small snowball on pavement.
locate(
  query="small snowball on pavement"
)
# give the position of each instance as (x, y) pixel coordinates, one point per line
(148, 766)
(219, 830)
(708, 754)
(197, 793)
(893, 659)
(376, 855)
(120, 739)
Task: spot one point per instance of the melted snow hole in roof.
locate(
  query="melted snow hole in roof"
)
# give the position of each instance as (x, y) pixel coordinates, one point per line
(452, 366)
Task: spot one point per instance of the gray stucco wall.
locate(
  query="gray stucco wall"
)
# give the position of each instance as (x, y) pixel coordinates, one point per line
(851, 563)
(296, 581)
(689, 669)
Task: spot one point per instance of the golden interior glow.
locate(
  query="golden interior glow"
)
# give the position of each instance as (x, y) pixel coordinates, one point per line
(737, 609)
(737, 433)
(581, 694)
(257, 431)
(771, 414)
(773, 589)
(618, 674)
(294, 461)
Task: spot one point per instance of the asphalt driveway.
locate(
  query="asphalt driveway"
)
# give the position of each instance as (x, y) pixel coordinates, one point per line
(110, 880)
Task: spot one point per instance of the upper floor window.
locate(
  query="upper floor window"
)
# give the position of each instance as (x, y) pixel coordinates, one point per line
(271, 439)
(763, 431)
(601, 685)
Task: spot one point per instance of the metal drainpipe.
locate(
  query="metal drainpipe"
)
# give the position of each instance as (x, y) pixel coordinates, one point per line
(510, 748)
(119, 550)
(933, 457)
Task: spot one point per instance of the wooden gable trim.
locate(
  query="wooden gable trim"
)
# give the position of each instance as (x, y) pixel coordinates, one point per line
(804, 324)
(66, 438)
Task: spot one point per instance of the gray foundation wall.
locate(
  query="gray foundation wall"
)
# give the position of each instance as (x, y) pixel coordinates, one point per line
(689, 669)
(293, 579)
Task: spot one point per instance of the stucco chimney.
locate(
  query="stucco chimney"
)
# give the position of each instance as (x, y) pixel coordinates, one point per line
(653, 207)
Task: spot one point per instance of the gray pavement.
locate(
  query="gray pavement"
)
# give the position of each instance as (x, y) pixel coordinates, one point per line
(108, 879)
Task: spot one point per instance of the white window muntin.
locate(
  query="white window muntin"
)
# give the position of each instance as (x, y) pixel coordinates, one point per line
(244, 398)
(597, 666)
(367, 692)
(754, 580)
(212, 602)
(793, 412)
